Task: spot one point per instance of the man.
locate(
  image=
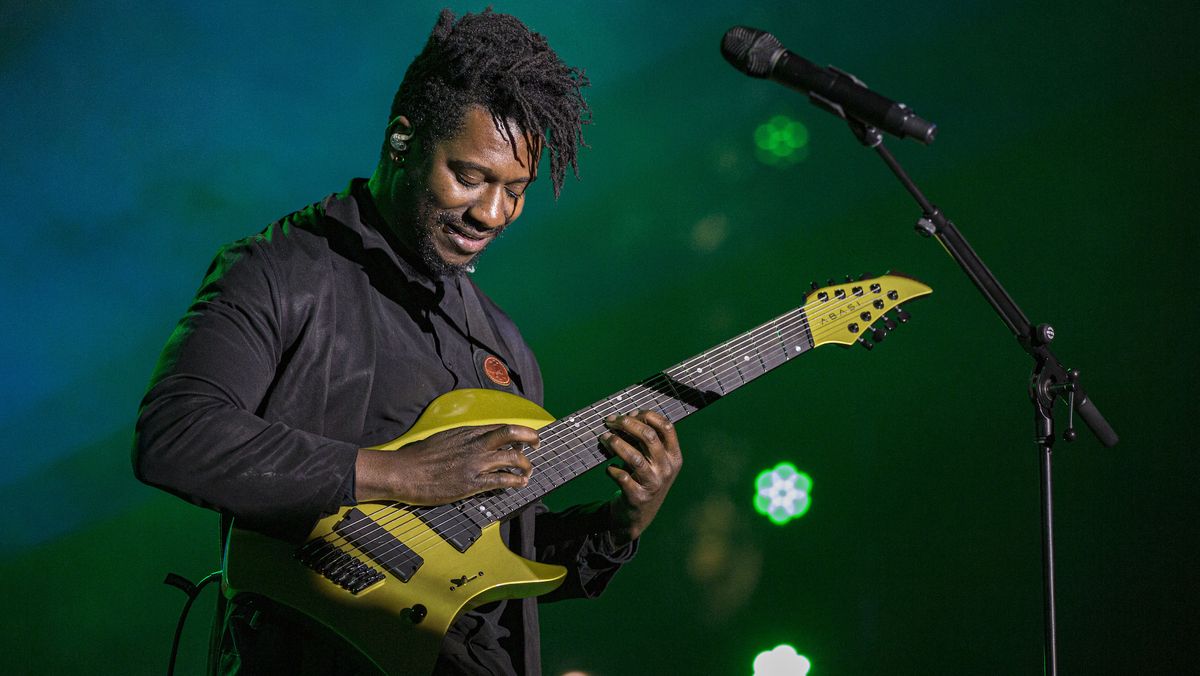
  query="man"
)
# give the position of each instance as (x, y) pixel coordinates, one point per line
(332, 329)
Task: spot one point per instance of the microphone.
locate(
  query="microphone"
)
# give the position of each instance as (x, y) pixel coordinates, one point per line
(760, 54)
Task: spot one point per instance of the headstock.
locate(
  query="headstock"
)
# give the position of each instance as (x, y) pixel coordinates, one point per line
(841, 313)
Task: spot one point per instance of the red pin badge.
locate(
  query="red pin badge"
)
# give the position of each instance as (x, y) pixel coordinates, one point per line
(496, 371)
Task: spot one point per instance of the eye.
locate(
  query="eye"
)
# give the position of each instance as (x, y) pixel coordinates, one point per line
(513, 193)
(467, 181)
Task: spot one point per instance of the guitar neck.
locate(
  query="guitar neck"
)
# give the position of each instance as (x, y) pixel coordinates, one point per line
(569, 446)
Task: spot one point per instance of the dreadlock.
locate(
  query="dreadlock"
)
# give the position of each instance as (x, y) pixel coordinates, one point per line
(495, 61)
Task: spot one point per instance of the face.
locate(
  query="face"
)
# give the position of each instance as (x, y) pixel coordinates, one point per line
(464, 191)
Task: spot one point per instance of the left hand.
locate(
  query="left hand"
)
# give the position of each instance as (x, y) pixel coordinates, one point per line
(646, 441)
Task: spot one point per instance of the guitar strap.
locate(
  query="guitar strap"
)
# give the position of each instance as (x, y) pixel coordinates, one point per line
(491, 356)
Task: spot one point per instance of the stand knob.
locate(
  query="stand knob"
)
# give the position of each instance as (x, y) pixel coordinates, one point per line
(1043, 334)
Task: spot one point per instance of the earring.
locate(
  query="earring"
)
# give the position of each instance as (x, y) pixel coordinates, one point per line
(399, 142)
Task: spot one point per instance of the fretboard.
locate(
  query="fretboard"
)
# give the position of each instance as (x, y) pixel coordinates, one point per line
(570, 445)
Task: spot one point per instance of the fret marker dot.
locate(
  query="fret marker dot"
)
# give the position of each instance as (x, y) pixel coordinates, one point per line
(746, 358)
(797, 348)
(699, 370)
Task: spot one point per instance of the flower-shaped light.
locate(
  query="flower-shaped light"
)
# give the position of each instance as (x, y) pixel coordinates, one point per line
(783, 493)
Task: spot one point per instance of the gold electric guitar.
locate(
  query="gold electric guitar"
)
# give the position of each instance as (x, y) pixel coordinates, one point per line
(391, 578)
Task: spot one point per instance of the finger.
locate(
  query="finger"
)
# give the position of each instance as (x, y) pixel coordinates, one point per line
(511, 459)
(646, 435)
(489, 481)
(638, 465)
(633, 490)
(504, 435)
(666, 433)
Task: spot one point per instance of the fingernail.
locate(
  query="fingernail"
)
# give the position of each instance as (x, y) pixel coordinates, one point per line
(610, 418)
(633, 413)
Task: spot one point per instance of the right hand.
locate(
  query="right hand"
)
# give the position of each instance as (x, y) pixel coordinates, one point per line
(447, 466)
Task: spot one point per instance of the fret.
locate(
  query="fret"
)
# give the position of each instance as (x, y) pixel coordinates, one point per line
(693, 376)
(775, 351)
(725, 369)
(570, 447)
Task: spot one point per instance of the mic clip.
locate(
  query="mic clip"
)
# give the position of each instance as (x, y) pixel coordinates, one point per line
(867, 134)
(829, 106)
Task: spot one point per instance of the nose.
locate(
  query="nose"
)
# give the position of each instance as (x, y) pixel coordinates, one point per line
(490, 210)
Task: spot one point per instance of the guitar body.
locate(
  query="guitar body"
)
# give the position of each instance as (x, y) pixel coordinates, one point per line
(343, 577)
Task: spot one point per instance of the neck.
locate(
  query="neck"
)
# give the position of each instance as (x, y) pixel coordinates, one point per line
(377, 188)
(399, 232)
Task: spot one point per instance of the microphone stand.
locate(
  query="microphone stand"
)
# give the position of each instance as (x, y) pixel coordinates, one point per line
(1049, 381)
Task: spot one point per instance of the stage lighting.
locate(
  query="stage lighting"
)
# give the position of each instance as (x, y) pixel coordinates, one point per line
(783, 493)
(781, 141)
(782, 660)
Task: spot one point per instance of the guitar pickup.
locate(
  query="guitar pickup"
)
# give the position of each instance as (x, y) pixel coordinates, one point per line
(347, 570)
(454, 525)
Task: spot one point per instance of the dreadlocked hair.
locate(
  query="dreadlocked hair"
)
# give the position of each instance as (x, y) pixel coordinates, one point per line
(495, 61)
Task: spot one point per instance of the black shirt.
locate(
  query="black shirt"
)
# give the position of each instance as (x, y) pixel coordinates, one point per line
(319, 336)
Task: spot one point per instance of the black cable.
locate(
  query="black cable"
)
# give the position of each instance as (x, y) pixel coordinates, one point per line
(192, 590)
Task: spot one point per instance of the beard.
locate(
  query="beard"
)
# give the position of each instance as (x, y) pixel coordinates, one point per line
(431, 223)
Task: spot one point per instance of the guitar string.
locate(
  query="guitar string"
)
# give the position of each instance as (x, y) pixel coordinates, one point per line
(757, 335)
(773, 329)
(786, 323)
(670, 408)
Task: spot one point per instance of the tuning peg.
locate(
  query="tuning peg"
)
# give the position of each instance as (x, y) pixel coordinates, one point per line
(862, 276)
(865, 343)
(849, 278)
(829, 282)
(878, 335)
(902, 315)
(889, 323)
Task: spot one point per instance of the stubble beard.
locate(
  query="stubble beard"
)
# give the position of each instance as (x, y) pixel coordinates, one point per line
(428, 220)
(431, 223)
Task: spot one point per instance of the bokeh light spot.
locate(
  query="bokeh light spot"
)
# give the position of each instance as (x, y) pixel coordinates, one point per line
(781, 141)
(782, 493)
(782, 660)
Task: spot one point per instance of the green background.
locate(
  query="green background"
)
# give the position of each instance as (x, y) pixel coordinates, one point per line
(140, 136)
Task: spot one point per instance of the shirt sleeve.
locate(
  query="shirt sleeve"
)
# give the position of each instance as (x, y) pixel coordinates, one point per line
(198, 434)
(580, 538)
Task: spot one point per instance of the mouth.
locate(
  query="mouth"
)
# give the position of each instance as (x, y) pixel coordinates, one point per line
(466, 243)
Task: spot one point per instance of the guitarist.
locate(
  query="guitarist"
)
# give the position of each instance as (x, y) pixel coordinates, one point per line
(332, 329)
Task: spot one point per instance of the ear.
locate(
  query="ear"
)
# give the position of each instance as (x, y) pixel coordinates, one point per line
(401, 124)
